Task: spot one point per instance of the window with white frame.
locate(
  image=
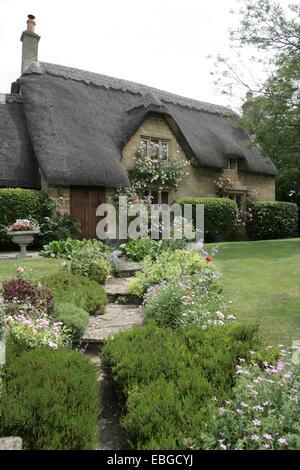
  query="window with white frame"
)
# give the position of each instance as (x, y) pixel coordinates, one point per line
(154, 148)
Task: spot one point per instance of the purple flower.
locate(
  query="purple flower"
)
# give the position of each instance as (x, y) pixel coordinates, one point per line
(268, 437)
(256, 422)
(254, 437)
(283, 442)
(266, 446)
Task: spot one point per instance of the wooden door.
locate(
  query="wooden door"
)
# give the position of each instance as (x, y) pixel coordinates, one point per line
(83, 206)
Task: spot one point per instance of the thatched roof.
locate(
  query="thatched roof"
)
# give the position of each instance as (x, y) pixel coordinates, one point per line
(79, 122)
(18, 167)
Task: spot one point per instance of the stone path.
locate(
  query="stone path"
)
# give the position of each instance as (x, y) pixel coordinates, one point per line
(14, 254)
(117, 317)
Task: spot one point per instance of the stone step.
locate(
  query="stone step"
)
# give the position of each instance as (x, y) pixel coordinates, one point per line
(128, 269)
(116, 318)
(117, 291)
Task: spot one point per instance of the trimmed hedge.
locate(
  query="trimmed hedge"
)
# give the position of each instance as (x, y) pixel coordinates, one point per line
(272, 219)
(76, 319)
(220, 215)
(51, 399)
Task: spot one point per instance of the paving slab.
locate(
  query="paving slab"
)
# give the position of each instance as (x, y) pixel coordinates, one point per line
(116, 318)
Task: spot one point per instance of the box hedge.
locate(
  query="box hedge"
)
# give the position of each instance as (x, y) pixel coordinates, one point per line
(272, 219)
(220, 215)
(51, 399)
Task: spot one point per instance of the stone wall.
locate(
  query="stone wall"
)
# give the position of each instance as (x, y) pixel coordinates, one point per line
(55, 192)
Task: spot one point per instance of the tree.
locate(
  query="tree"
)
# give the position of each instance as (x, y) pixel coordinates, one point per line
(273, 115)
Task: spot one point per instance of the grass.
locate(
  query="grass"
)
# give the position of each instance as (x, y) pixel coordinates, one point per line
(35, 269)
(263, 280)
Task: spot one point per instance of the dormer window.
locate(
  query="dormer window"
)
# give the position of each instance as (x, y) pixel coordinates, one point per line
(232, 164)
(154, 148)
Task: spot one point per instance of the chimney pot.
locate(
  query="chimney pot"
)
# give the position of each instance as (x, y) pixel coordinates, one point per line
(31, 24)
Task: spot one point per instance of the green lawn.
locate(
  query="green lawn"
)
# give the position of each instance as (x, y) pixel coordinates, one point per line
(263, 280)
(35, 269)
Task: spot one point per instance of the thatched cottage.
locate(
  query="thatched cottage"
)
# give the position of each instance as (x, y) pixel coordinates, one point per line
(75, 133)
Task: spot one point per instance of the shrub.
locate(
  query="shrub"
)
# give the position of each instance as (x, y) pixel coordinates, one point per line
(29, 333)
(92, 263)
(69, 247)
(188, 299)
(220, 215)
(22, 291)
(50, 398)
(264, 412)
(166, 414)
(74, 318)
(170, 377)
(168, 265)
(77, 290)
(272, 219)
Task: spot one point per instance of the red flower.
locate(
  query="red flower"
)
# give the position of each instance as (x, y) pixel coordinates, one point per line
(208, 259)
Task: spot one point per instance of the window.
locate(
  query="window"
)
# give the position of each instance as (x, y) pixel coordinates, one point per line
(232, 164)
(159, 197)
(239, 199)
(154, 147)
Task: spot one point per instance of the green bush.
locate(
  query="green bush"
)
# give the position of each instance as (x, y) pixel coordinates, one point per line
(92, 263)
(74, 318)
(188, 299)
(220, 215)
(166, 414)
(168, 379)
(168, 265)
(77, 290)
(51, 399)
(58, 227)
(136, 250)
(272, 219)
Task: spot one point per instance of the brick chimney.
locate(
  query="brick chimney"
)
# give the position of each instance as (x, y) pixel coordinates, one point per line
(30, 44)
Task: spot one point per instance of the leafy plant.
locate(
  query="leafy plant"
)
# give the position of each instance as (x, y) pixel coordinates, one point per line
(51, 399)
(68, 248)
(77, 290)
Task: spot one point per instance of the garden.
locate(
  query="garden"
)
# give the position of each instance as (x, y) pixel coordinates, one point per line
(213, 365)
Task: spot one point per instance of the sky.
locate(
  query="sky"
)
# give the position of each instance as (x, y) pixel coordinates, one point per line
(161, 43)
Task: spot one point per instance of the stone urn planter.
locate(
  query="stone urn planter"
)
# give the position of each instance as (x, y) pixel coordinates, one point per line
(23, 239)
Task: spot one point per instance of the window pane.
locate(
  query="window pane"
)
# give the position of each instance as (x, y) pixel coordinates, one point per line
(154, 195)
(154, 148)
(165, 197)
(144, 146)
(164, 150)
(232, 164)
(238, 200)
